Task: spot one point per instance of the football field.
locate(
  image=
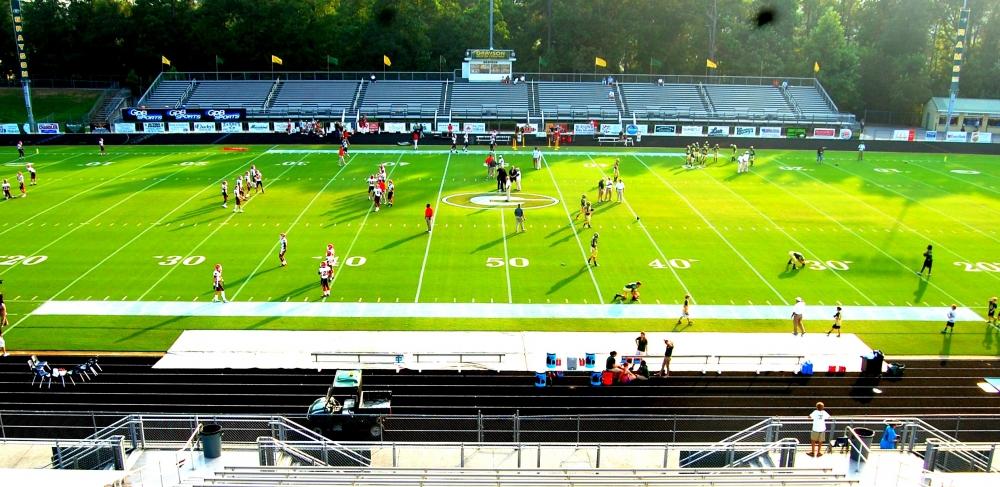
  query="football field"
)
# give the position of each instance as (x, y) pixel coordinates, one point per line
(100, 251)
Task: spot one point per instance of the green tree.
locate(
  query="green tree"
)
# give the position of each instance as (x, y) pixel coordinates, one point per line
(827, 45)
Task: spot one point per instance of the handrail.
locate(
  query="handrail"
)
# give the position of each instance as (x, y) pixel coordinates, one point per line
(86, 447)
(858, 445)
(325, 442)
(765, 450)
(152, 86)
(763, 425)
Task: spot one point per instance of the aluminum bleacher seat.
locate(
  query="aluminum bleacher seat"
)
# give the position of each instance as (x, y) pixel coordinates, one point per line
(669, 101)
(401, 98)
(759, 101)
(313, 97)
(167, 94)
(230, 94)
(810, 100)
(489, 99)
(578, 100)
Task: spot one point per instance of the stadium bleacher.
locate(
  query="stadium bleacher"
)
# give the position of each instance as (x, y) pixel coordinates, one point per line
(313, 97)
(489, 100)
(735, 100)
(167, 94)
(229, 94)
(810, 101)
(672, 100)
(401, 98)
(576, 100)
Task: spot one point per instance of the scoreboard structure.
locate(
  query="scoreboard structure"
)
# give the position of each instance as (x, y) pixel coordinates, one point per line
(488, 64)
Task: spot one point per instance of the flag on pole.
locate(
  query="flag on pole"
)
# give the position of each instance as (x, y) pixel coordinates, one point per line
(542, 61)
(600, 62)
(816, 67)
(275, 60)
(164, 60)
(218, 59)
(655, 63)
(386, 61)
(710, 64)
(332, 60)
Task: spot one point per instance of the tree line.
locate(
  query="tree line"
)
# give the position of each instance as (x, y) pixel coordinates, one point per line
(889, 55)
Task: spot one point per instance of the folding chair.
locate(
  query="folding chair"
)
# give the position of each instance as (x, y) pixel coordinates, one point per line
(840, 441)
(41, 374)
(34, 363)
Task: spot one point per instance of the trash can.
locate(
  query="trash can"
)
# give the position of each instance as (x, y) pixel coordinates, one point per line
(211, 440)
(541, 379)
(863, 435)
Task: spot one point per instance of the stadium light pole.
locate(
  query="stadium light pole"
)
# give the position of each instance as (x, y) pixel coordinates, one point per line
(22, 59)
(491, 24)
(960, 40)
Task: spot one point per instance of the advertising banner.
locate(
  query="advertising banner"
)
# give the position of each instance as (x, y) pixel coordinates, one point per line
(125, 127)
(824, 133)
(259, 127)
(232, 127)
(611, 129)
(718, 131)
(903, 135)
(153, 127)
(982, 137)
(633, 129)
(846, 134)
(528, 128)
(770, 132)
(183, 114)
(178, 127)
(48, 128)
(931, 135)
(955, 136)
(204, 126)
(795, 132)
(472, 127)
(395, 127)
(583, 129)
(745, 131)
(424, 126)
(9, 128)
(694, 130)
(665, 129)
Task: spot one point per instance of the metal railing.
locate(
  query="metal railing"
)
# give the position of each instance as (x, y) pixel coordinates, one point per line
(307, 75)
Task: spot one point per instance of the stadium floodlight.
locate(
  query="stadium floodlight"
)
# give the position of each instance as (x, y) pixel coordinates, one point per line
(22, 56)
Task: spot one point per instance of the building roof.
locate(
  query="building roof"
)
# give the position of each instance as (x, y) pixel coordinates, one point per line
(968, 105)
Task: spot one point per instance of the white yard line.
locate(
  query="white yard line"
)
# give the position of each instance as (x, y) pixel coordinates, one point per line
(140, 234)
(712, 227)
(271, 253)
(506, 255)
(871, 244)
(572, 226)
(81, 193)
(899, 222)
(781, 229)
(645, 230)
(218, 227)
(952, 176)
(318, 309)
(430, 235)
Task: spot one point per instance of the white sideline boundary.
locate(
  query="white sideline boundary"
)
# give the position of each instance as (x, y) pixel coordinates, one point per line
(816, 314)
(526, 153)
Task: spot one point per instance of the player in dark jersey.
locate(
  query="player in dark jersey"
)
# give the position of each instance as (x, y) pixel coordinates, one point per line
(282, 248)
(795, 258)
(6, 190)
(630, 293)
(991, 311)
(928, 261)
(686, 310)
(837, 320)
(593, 250)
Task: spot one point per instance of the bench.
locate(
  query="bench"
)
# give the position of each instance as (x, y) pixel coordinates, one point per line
(627, 141)
(486, 138)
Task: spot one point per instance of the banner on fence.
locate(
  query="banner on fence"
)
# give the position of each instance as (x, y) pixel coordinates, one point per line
(153, 127)
(125, 127)
(183, 114)
(770, 132)
(846, 134)
(745, 131)
(692, 130)
(528, 128)
(611, 129)
(633, 129)
(178, 127)
(931, 135)
(259, 127)
(583, 129)
(232, 127)
(665, 129)
(423, 126)
(718, 131)
(955, 136)
(824, 133)
(903, 135)
(394, 127)
(473, 127)
(795, 132)
(9, 128)
(204, 126)
(982, 138)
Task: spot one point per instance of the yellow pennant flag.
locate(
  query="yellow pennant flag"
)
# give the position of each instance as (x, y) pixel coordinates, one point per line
(710, 64)
(600, 62)
(386, 61)
(816, 67)
(275, 59)
(164, 60)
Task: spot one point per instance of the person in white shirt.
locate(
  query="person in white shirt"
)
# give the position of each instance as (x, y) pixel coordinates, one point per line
(536, 158)
(818, 435)
(797, 311)
(950, 324)
(620, 189)
(861, 151)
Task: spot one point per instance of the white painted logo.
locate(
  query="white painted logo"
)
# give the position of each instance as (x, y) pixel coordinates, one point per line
(479, 201)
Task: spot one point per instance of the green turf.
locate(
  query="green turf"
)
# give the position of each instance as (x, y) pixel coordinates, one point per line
(102, 225)
(49, 104)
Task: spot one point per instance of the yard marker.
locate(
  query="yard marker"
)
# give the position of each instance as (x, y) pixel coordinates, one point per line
(506, 256)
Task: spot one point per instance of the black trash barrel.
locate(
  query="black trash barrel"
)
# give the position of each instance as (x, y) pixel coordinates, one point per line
(864, 436)
(211, 440)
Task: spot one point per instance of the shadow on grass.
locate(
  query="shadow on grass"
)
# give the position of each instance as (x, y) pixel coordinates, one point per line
(143, 331)
(563, 282)
(918, 295)
(401, 241)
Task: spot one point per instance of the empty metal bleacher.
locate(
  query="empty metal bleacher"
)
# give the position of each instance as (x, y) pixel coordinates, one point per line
(739, 101)
(166, 94)
(230, 94)
(566, 100)
(490, 100)
(401, 99)
(670, 101)
(810, 101)
(313, 97)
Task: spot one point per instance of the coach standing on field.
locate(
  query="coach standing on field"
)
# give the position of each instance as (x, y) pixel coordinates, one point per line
(429, 217)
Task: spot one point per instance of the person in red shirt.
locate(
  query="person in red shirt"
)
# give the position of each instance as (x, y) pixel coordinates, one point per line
(416, 138)
(429, 217)
(489, 165)
(341, 153)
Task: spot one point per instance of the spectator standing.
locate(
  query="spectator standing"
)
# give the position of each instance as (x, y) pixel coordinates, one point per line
(519, 217)
(620, 190)
(950, 324)
(536, 158)
(818, 435)
(641, 343)
(668, 353)
(861, 151)
(372, 78)
(797, 311)
(429, 217)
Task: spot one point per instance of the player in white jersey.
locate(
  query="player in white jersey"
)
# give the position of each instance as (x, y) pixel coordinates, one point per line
(390, 193)
(247, 178)
(20, 149)
(32, 173)
(238, 196)
(258, 179)
(536, 158)
(454, 143)
(100, 144)
(20, 184)
(6, 190)
(282, 248)
(325, 273)
(225, 193)
(465, 142)
(371, 186)
(218, 284)
(378, 197)
(331, 255)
